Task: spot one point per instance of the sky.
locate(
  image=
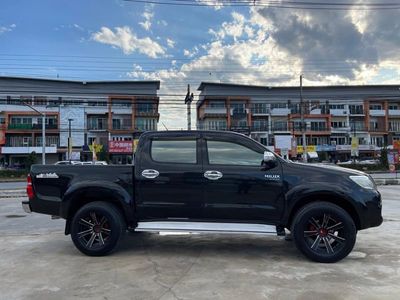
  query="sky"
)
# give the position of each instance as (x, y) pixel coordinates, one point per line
(270, 43)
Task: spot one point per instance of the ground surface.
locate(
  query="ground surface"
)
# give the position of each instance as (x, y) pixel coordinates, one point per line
(38, 262)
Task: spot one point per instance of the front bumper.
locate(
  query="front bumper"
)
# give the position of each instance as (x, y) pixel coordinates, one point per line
(26, 206)
(371, 211)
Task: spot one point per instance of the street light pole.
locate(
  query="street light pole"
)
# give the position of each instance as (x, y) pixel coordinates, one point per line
(43, 131)
(303, 125)
(69, 140)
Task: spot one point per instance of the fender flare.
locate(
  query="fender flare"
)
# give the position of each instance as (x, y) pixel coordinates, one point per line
(83, 192)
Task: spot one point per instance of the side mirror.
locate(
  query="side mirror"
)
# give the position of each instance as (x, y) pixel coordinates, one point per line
(268, 157)
(269, 160)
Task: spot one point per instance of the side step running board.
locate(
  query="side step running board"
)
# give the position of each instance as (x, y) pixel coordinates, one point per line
(205, 227)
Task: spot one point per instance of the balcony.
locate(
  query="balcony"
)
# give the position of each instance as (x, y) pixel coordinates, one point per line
(145, 113)
(259, 128)
(280, 111)
(260, 112)
(214, 111)
(339, 112)
(315, 111)
(340, 129)
(377, 113)
(356, 112)
(31, 126)
(394, 112)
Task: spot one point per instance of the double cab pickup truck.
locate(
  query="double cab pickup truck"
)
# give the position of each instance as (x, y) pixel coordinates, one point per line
(208, 182)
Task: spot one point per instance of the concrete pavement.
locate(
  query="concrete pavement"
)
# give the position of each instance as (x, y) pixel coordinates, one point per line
(38, 262)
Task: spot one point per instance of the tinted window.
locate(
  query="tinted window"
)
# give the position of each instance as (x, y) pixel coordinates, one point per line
(174, 151)
(226, 153)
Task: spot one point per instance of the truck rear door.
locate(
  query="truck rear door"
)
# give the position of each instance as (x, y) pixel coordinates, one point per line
(169, 177)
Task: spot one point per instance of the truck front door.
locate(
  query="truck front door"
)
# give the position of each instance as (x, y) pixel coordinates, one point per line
(170, 179)
(237, 187)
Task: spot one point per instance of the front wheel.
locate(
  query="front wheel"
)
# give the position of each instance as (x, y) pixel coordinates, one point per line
(324, 232)
(97, 228)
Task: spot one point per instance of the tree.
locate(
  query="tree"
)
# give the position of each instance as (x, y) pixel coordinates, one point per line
(30, 160)
(384, 157)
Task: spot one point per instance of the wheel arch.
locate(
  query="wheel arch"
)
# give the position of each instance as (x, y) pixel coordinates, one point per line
(77, 197)
(326, 197)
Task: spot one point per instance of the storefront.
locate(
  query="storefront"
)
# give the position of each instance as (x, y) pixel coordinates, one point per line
(121, 152)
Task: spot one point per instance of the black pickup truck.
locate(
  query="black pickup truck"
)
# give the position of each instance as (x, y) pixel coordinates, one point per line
(208, 181)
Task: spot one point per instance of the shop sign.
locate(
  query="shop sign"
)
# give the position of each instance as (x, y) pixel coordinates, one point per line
(310, 148)
(120, 147)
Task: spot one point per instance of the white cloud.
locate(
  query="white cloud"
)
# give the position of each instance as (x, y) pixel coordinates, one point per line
(148, 16)
(125, 39)
(273, 47)
(170, 43)
(4, 29)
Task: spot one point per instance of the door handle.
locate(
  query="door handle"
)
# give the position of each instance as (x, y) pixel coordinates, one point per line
(213, 175)
(150, 173)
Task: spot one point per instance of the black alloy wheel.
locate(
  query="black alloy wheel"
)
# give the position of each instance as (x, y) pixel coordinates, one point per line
(97, 228)
(324, 232)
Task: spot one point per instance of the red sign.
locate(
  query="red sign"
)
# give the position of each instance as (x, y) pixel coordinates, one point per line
(120, 147)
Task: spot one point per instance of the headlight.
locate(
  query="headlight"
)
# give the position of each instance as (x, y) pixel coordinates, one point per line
(363, 181)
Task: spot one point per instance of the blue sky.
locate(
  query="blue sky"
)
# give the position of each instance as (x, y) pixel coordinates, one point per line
(180, 45)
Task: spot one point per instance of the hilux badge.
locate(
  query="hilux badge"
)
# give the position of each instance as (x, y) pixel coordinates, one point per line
(272, 176)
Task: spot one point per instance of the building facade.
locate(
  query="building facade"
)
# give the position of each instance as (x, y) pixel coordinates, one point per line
(333, 115)
(107, 113)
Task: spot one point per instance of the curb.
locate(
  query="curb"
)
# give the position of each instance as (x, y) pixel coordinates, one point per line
(387, 181)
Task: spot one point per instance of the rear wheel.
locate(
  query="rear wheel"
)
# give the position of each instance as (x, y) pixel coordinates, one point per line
(97, 228)
(324, 232)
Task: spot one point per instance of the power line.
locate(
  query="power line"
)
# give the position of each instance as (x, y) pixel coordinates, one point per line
(277, 4)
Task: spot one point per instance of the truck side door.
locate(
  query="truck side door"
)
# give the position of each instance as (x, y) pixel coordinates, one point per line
(169, 178)
(237, 187)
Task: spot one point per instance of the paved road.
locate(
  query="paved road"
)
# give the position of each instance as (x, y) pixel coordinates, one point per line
(38, 262)
(12, 185)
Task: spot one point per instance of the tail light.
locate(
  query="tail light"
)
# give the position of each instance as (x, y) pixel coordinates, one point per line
(29, 187)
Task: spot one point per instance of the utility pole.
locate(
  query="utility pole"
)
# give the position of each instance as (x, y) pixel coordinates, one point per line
(69, 140)
(43, 131)
(303, 125)
(188, 102)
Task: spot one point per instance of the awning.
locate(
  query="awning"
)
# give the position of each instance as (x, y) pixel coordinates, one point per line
(312, 154)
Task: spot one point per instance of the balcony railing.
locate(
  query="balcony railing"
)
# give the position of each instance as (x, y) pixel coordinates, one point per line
(31, 126)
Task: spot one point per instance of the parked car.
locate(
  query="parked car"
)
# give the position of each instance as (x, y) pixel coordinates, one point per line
(67, 162)
(208, 181)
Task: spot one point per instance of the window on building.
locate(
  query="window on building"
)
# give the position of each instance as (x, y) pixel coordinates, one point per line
(278, 105)
(356, 109)
(336, 106)
(174, 151)
(216, 104)
(338, 124)
(394, 126)
(375, 107)
(280, 126)
(216, 125)
(260, 108)
(393, 107)
(121, 103)
(377, 141)
(338, 140)
(227, 153)
(145, 107)
(238, 108)
(318, 126)
(261, 125)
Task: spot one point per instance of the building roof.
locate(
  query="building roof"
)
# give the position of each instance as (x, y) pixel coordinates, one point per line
(219, 84)
(82, 82)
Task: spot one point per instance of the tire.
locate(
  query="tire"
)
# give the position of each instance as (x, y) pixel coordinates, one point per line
(324, 232)
(97, 228)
